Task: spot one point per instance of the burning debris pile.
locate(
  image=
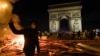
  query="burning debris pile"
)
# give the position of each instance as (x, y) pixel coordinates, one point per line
(12, 46)
(62, 48)
(57, 48)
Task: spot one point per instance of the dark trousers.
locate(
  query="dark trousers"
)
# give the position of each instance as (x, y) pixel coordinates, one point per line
(29, 51)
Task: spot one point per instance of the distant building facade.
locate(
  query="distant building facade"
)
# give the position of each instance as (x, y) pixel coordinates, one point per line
(67, 12)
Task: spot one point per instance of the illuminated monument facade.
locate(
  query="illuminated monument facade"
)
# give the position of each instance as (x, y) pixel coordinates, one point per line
(65, 17)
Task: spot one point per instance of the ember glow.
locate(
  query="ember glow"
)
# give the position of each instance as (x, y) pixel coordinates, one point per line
(18, 42)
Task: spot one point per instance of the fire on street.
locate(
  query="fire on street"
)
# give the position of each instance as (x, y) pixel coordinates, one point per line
(50, 47)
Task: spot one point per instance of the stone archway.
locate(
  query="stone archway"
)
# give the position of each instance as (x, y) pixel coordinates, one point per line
(64, 25)
(63, 12)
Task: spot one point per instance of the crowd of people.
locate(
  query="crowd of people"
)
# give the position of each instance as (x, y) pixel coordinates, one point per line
(84, 35)
(70, 35)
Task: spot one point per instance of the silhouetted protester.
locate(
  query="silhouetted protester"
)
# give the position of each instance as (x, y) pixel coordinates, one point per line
(30, 37)
(79, 33)
(99, 34)
(92, 35)
(59, 35)
(73, 36)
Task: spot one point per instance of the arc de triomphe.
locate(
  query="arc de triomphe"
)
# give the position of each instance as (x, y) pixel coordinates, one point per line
(70, 13)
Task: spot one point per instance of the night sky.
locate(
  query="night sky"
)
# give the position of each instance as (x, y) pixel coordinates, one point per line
(91, 14)
(38, 9)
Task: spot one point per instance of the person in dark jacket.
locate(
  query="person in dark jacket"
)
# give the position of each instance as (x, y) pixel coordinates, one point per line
(30, 37)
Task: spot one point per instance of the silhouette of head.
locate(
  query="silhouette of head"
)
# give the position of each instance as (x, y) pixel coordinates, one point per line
(33, 25)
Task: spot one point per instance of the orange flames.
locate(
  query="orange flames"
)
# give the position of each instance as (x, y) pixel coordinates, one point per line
(18, 42)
